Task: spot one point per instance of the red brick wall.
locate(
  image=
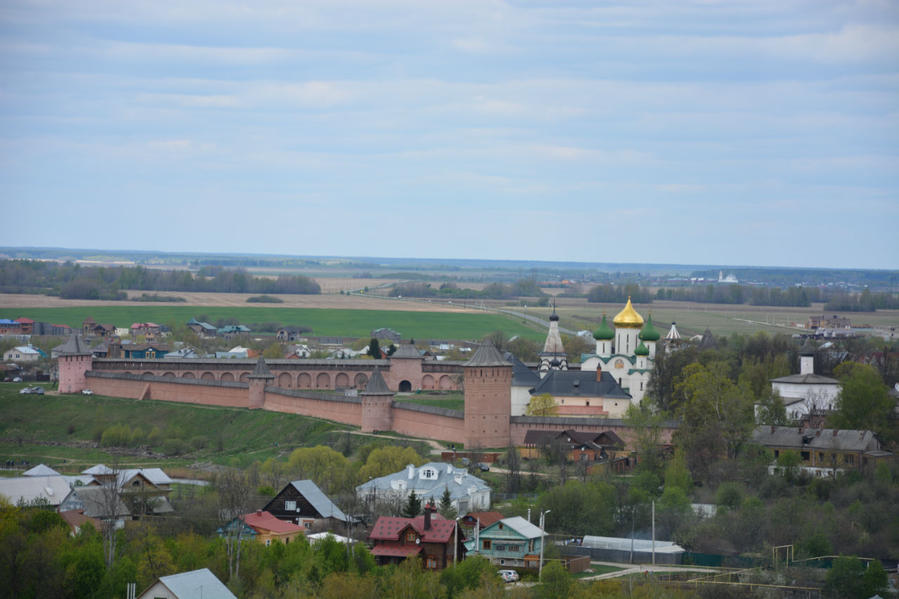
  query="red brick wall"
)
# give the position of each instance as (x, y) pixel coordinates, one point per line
(377, 413)
(429, 426)
(347, 412)
(210, 395)
(403, 369)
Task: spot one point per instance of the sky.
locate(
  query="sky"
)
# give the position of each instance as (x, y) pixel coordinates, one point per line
(744, 132)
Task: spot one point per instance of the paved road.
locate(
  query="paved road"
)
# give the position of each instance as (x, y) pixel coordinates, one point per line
(641, 568)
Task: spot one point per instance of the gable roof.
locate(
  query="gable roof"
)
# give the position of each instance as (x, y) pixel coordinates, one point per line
(262, 520)
(41, 470)
(485, 518)
(578, 383)
(95, 502)
(573, 437)
(389, 528)
(815, 438)
(518, 524)
(376, 384)
(197, 584)
(321, 502)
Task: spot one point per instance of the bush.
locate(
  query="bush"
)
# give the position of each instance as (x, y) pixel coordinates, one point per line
(729, 495)
(174, 447)
(264, 299)
(117, 435)
(199, 442)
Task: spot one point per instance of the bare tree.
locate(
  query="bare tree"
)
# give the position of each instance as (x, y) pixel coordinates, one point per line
(234, 501)
(110, 497)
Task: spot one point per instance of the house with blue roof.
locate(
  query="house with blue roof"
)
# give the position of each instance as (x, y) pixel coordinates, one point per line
(197, 584)
(512, 542)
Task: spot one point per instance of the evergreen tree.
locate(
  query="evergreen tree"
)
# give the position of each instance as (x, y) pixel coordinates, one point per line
(446, 508)
(413, 506)
(374, 349)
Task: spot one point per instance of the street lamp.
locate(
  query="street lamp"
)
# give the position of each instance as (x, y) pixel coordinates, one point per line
(542, 543)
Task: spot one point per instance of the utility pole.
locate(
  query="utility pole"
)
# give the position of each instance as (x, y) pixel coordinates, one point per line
(542, 543)
(653, 532)
(456, 542)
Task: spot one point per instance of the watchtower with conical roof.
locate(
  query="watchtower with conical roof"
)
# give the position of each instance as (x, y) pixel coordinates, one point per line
(377, 404)
(75, 359)
(258, 379)
(488, 399)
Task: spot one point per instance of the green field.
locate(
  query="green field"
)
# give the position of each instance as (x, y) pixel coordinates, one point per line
(323, 322)
(451, 401)
(60, 430)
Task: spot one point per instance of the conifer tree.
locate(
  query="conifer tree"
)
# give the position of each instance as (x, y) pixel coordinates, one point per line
(413, 506)
(446, 508)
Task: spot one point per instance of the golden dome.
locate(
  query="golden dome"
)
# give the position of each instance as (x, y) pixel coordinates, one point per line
(628, 318)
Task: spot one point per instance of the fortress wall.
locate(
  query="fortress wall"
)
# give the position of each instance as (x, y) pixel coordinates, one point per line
(430, 423)
(192, 391)
(339, 409)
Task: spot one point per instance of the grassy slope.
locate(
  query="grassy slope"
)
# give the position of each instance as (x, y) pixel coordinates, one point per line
(350, 323)
(246, 435)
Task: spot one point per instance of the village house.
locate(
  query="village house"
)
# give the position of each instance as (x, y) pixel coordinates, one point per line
(145, 351)
(202, 329)
(511, 542)
(90, 329)
(37, 491)
(23, 353)
(290, 334)
(822, 451)
(149, 330)
(304, 504)
(806, 394)
(577, 446)
(429, 482)
(432, 538)
(232, 330)
(269, 529)
(480, 519)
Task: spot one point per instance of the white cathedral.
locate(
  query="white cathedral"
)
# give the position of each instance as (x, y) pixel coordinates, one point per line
(627, 352)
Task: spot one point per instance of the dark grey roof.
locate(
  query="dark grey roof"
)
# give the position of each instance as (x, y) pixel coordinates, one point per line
(376, 385)
(321, 502)
(815, 438)
(487, 355)
(806, 379)
(406, 351)
(74, 346)
(522, 376)
(577, 383)
(261, 370)
(808, 349)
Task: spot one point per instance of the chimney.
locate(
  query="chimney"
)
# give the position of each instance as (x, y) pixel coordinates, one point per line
(599, 373)
(818, 433)
(258, 512)
(410, 471)
(429, 509)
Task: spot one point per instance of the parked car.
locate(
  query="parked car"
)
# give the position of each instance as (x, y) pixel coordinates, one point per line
(86, 392)
(465, 461)
(483, 466)
(25, 391)
(509, 575)
(37, 390)
(17, 379)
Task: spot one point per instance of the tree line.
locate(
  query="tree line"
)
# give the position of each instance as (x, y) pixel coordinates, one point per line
(74, 281)
(521, 288)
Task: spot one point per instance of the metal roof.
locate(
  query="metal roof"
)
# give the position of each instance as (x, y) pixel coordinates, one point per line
(486, 355)
(74, 346)
(41, 470)
(406, 351)
(321, 502)
(579, 383)
(197, 584)
(522, 376)
(443, 476)
(376, 384)
(806, 379)
(518, 524)
(815, 438)
(34, 489)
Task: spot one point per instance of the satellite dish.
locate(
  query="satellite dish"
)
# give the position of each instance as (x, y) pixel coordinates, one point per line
(418, 541)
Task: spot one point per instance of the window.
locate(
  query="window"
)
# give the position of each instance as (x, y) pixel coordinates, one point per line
(486, 544)
(431, 563)
(804, 455)
(588, 402)
(290, 506)
(410, 536)
(850, 459)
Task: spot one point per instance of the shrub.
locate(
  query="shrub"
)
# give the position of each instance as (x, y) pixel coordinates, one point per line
(174, 447)
(199, 442)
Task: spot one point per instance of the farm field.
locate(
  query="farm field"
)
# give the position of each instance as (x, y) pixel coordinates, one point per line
(328, 322)
(61, 431)
(693, 318)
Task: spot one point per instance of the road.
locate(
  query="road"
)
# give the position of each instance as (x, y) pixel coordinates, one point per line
(641, 568)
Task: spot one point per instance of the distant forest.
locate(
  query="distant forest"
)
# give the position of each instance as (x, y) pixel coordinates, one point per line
(836, 300)
(72, 281)
(522, 288)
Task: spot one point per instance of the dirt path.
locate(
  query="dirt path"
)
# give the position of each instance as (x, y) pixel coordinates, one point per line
(642, 568)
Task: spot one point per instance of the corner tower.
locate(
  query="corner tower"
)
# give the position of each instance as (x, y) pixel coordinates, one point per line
(488, 399)
(75, 358)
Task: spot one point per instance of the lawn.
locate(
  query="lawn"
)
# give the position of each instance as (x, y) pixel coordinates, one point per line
(61, 430)
(451, 401)
(322, 321)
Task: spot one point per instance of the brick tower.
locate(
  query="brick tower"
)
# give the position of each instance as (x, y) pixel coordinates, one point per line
(488, 399)
(377, 405)
(75, 358)
(260, 377)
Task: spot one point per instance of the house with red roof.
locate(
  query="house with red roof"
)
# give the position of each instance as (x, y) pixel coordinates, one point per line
(481, 519)
(270, 529)
(432, 538)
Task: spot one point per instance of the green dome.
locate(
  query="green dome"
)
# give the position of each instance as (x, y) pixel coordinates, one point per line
(641, 350)
(649, 332)
(604, 331)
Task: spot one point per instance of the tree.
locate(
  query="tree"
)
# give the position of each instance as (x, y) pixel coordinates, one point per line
(556, 581)
(863, 402)
(446, 508)
(413, 506)
(273, 351)
(771, 410)
(387, 460)
(542, 405)
(845, 579)
(234, 501)
(328, 468)
(374, 349)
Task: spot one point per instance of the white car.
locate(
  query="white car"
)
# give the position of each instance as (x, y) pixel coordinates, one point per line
(509, 575)
(86, 392)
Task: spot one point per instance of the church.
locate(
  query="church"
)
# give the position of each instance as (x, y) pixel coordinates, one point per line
(606, 383)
